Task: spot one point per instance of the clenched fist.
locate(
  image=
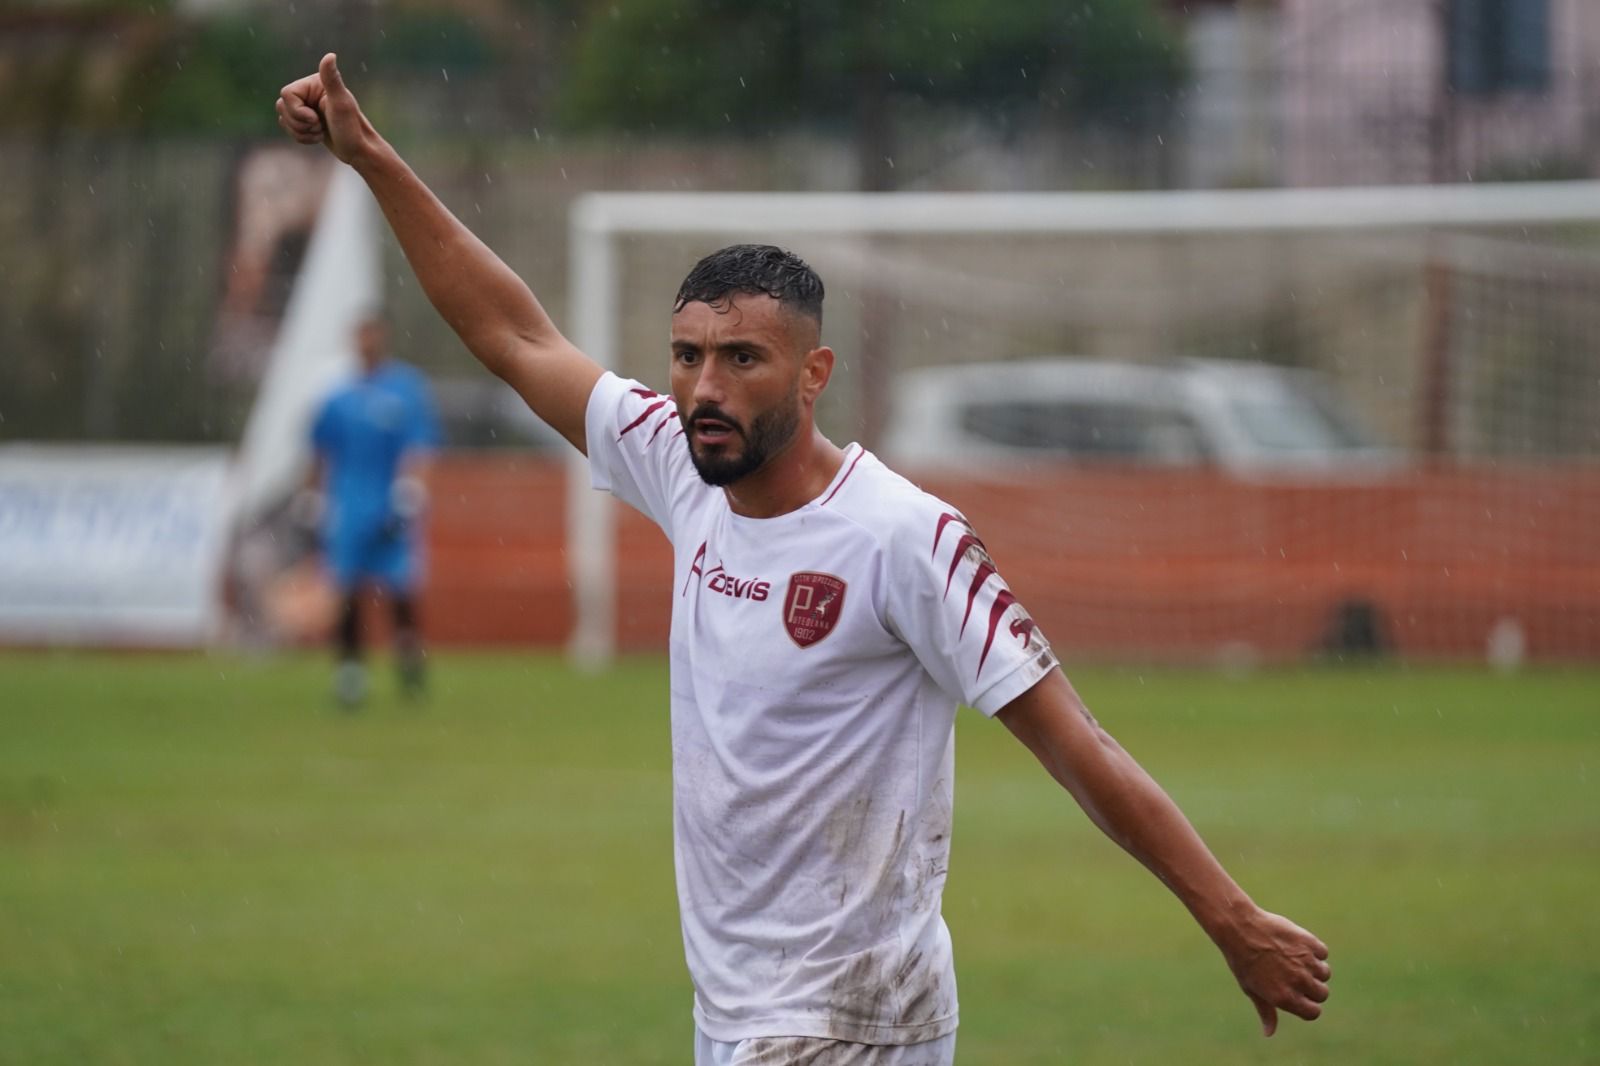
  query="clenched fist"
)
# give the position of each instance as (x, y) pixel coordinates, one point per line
(1280, 966)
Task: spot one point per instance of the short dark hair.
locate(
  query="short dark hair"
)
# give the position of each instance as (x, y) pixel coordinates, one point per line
(753, 270)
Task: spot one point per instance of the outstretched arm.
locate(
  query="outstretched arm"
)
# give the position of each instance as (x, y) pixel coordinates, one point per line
(1279, 965)
(495, 314)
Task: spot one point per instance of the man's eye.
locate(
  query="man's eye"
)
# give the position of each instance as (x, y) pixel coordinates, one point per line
(744, 358)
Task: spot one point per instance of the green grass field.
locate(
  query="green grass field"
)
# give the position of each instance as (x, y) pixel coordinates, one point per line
(202, 862)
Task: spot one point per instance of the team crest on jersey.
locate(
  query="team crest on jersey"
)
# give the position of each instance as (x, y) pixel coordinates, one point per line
(811, 609)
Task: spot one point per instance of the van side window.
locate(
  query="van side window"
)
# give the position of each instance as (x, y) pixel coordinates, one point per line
(1108, 430)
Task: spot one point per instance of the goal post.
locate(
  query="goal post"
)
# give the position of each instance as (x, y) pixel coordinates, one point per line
(1142, 275)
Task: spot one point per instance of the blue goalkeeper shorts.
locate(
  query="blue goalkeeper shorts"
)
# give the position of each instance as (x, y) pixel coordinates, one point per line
(386, 553)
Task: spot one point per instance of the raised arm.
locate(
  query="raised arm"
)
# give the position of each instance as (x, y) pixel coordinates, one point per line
(493, 312)
(1279, 965)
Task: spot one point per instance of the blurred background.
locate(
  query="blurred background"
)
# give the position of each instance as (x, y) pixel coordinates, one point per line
(1258, 339)
(1281, 440)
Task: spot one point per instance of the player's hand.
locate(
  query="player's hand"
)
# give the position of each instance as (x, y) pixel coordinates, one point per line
(1280, 966)
(319, 109)
(408, 498)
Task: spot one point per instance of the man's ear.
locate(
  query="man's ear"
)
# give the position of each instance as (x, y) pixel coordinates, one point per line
(816, 368)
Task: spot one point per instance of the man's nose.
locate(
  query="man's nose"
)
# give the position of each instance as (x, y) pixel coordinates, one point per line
(710, 383)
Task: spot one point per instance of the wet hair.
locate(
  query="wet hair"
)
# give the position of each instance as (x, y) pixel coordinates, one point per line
(753, 270)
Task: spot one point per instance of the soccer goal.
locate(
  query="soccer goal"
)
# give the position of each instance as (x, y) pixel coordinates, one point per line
(1216, 426)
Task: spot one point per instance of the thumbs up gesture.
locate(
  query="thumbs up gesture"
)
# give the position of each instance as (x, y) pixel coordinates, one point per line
(319, 108)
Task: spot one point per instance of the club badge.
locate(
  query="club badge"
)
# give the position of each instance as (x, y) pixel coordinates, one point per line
(812, 606)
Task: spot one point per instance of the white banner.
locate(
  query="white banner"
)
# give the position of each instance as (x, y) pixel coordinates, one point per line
(112, 545)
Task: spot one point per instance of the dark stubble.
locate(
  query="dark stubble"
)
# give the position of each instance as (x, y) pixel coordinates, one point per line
(769, 432)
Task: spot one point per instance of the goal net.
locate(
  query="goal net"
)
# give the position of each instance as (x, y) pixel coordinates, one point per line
(1207, 426)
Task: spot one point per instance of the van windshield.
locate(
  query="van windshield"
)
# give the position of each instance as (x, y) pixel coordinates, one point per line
(1296, 423)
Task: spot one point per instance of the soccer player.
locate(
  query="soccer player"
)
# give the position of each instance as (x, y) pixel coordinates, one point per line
(827, 617)
(371, 443)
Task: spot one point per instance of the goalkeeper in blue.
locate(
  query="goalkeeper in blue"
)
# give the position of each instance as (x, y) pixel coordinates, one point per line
(827, 618)
(371, 442)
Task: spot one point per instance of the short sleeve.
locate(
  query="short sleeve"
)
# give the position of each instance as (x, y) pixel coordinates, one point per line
(947, 600)
(635, 448)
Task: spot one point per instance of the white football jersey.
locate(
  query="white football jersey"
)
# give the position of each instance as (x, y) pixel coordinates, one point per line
(817, 659)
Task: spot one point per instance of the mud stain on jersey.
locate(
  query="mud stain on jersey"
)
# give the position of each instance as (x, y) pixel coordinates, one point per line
(876, 989)
(893, 862)
(920, 988)
(817, 1051)
(846, 827)
(857, 996)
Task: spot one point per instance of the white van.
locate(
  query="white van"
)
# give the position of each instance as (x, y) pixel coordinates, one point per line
(1245, 417)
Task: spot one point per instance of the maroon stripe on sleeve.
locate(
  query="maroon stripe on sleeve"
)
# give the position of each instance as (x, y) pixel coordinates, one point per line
(971, 535)
(967, 541)
(938, 533)
(985, 571)
(672, 416)
(1003, 601)
(648, 411)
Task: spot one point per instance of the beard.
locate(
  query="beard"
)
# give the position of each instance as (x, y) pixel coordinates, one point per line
(769, 433)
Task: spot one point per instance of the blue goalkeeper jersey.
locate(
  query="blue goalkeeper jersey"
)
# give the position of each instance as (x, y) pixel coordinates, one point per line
(363, 433)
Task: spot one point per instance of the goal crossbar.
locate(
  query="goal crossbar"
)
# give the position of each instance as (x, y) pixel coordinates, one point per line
(1209, 211)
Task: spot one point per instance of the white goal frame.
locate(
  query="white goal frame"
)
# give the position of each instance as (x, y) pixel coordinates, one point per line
(599, 220)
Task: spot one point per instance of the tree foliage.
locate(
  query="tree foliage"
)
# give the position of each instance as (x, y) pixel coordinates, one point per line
(111, 65)
(708, 64)
(213, 77)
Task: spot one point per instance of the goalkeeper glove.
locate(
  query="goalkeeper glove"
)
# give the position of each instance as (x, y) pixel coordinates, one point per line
(408, 498)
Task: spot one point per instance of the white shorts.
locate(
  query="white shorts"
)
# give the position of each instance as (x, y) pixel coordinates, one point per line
(816, 1051)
